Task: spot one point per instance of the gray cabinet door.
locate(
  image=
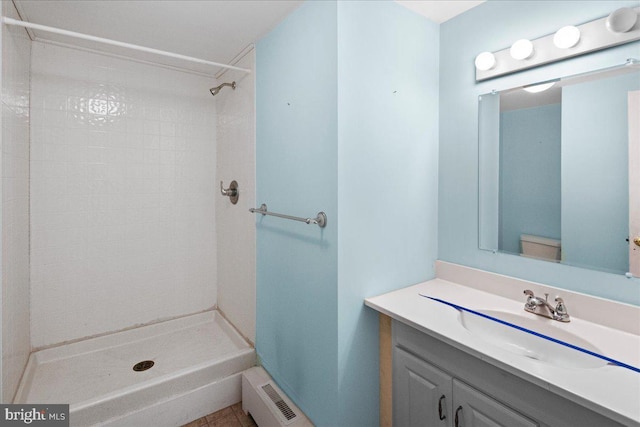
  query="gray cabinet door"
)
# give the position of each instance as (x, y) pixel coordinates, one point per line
(472, 408)
(421, 393)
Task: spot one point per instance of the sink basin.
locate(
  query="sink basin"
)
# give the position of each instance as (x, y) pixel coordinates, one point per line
(530, 345)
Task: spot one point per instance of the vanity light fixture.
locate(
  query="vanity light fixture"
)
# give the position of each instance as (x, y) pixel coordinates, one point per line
(620, 27)
(485, 61)
(566, 37)
(521, 49)
(538, 87)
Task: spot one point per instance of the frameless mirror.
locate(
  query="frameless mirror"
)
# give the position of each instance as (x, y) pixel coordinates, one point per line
(554, 169)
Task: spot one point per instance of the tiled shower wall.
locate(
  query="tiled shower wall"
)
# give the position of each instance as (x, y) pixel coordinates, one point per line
(123, 194)
(15, 346)
(236, 226)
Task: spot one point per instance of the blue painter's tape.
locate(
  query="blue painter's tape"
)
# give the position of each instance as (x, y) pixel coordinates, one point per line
(529, 331)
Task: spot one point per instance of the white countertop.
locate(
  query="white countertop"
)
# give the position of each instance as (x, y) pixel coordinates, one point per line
(613, 391)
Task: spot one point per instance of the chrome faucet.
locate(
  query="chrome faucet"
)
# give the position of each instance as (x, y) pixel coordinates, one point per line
(541, 307)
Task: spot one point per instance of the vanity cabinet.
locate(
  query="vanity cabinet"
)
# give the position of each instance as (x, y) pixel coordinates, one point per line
(475, 409)
(422, 393)
(434, 383)
(427, 396)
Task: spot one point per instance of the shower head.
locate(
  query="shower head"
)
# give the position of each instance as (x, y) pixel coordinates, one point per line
(214, 90)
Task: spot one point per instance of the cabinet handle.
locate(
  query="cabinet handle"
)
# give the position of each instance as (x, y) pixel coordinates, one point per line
(440, 411)
(456, 421)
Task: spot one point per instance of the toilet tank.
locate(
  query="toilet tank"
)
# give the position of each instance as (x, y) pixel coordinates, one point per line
(540, 247)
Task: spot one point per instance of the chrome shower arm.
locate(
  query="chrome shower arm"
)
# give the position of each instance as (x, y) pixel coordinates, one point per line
(214, 90)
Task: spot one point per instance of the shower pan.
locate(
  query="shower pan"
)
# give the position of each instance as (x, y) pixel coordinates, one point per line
(193, 368)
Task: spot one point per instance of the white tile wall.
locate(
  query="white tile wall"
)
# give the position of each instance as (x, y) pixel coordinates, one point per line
(123, 194)
(16, 48)
(236, 226)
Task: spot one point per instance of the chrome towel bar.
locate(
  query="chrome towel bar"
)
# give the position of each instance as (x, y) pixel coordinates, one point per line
(320, 219)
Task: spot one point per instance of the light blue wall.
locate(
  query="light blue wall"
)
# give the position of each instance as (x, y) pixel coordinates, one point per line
(347, 122)
(529, 174)
(387, 179)
(489, 170)
(493, 26)
(595, 190)
(296, 174)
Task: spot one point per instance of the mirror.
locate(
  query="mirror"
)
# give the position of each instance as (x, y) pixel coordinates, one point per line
(553, 169)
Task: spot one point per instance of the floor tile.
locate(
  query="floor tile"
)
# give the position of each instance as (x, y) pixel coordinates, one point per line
(244, 419)
(200, 422)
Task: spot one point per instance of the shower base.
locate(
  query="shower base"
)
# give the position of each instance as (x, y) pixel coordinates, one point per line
(197, 365)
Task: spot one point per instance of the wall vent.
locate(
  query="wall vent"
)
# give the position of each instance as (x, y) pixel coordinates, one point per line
(267, 404)
(282, 406)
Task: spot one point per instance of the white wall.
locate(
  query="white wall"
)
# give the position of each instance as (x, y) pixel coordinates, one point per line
(16, 48)
(123, 194)
(235, 225)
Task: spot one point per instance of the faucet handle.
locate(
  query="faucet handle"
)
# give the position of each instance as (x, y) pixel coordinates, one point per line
(561, 313)
(232, 192)
(530, 296)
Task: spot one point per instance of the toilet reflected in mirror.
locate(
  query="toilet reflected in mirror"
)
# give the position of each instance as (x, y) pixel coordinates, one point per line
(540, 248)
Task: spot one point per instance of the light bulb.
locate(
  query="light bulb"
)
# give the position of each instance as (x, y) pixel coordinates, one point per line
(621, 20)
(541, 87)
(522, 49)
(566, 37)
(485, 61)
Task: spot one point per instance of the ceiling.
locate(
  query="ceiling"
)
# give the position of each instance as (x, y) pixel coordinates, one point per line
(212, 30)
(440, 10)
(216, 31)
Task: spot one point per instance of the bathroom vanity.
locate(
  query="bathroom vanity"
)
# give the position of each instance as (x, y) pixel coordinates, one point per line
(457, 366)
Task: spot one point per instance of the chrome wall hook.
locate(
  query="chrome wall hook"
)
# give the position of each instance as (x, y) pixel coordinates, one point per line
(232, 192)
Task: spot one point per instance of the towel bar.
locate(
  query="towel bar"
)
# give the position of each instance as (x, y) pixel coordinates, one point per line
(320, 219)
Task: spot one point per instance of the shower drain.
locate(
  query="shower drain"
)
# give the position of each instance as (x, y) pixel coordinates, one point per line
(143, 366)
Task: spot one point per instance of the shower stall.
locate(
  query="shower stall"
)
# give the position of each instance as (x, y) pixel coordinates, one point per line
(121, 294)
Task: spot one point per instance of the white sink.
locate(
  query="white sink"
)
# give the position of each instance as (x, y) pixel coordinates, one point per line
(530, 345)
